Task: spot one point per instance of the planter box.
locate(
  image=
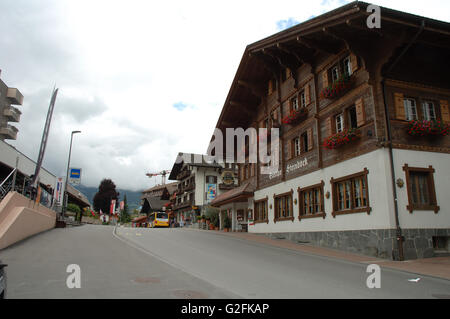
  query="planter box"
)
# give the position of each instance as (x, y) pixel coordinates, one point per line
(296, 117)
(339, 139)
(338, 88)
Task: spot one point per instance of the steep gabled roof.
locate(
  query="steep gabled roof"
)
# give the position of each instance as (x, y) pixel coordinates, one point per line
(301, 44)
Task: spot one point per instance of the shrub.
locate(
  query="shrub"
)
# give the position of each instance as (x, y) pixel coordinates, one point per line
(73, 208)
(227, 222)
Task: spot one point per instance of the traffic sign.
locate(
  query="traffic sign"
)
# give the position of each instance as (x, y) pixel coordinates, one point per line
(75, 176)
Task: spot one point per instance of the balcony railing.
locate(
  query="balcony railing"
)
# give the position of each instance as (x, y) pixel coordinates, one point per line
(14, 96)
(224, 186)
(9, 132)
(184, 204)
(12, 114)
(183, 174)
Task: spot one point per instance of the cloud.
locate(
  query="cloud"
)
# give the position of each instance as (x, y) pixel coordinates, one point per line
(180, 106)
(124, 79)
(285, 24)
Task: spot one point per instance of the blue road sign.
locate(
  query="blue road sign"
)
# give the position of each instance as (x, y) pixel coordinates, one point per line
(75, 175)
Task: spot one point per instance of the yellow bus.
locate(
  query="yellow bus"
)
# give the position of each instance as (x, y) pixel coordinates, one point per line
(158, 219)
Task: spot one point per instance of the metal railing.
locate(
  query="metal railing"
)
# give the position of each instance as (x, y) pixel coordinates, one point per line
(7, 184)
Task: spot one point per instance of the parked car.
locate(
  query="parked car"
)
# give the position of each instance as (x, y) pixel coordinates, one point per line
(2, 280)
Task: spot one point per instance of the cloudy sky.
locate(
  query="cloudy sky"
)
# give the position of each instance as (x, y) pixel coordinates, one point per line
(142, 80)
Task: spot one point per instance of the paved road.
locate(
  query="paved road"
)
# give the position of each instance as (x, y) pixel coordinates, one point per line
(253, 270)
(110, 268)
(186, 263)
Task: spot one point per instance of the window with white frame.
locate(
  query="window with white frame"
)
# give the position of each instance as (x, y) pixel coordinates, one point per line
(410, 109)
(335, 73)
(347, 64)
(302, 99)
(297, 146)
(339, 123)
(428, 111)
(294, 103)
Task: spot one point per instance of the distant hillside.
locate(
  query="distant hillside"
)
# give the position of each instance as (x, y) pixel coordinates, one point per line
(133, 198)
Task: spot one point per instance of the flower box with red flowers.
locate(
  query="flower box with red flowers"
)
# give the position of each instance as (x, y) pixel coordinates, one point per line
(427, 128)
(341, 138)
(337, 88)
(295, 116)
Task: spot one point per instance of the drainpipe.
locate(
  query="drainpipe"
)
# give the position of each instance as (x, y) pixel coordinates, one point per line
(389, 142)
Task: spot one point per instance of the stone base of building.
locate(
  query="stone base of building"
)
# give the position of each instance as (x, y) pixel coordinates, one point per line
(380, 243)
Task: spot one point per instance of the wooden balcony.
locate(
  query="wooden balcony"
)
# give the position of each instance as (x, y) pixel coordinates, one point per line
(183, 204)
(183, 174)
(224, 186)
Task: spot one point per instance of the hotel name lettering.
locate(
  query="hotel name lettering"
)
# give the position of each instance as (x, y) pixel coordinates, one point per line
(291, 168)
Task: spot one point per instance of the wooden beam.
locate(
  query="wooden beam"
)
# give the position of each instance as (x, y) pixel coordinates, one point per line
(353, 25)
(243, 107)
(317, 46)
(273, 68)
(284, 63)
(256, 90)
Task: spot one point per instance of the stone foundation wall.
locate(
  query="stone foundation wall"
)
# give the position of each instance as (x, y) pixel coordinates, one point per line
(380, 243)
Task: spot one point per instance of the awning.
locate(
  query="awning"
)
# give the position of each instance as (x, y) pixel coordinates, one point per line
(238, 194)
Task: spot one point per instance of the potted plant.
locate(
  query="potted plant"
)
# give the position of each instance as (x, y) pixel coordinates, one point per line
(337, 88)
(203, 218)
(208, 220)
(341, 138)
(227, 224)
(216, 223)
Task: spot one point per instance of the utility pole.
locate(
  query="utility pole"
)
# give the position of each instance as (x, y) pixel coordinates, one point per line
(66, 197)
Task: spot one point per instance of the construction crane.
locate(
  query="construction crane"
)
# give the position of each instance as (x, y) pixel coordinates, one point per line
(162, 173)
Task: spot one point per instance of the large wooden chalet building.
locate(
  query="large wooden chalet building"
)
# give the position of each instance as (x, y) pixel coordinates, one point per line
(356, 172)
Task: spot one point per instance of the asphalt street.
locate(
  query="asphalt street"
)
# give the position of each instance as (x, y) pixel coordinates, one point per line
(253, 270)
(109, 268)
(189, 263)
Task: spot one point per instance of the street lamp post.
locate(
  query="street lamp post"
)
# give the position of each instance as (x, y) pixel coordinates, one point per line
(66, 197)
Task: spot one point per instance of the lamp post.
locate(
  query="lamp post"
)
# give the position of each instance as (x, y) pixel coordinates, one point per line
(66, 197)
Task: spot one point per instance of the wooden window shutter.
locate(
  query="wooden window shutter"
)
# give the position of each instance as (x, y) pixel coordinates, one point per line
(399, 106)
(288, 73)
(360, 112)
(289, 150)
(275, 114)
(325, 78)
(309, 133)
(329, 125)
(307, 95)
(445, 114)
(354, 62)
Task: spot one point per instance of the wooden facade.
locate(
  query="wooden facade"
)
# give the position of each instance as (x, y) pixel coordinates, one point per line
(346, 100)
(299, 63)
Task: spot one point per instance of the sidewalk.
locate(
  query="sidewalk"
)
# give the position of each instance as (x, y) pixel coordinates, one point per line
(434, 267)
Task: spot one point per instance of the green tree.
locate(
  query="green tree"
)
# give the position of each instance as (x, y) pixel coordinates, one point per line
(125, 215)
(106, 193)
